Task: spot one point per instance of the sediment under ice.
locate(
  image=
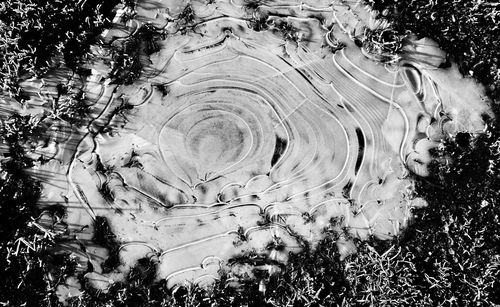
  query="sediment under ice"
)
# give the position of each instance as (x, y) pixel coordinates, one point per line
(233, 139)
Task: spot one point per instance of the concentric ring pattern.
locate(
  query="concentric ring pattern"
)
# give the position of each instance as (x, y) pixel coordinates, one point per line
(238, 142)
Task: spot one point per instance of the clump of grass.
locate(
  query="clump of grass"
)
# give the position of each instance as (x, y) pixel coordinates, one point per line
(144, 272)
(287, 30)
(133, 161)
(186, 19)
(164, 90)
(103, 233)
(308, 218)
(385, 44)
(104, 236)
(126, 66)
(311, 277)
(385, 278)
(276, 244)
(20, 129)
(336, 45)
(71, 106)
(103, 168)
(150, 36)
(26, 259)
(106, 192)
(21, 133)
(259, 21)
(253, 258)
(241, 236)
(36, 35)
(466, 29)
(455, 239)
(127, 56)
(253, 4)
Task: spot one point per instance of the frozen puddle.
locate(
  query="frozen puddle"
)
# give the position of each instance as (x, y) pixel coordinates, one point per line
(238, 142)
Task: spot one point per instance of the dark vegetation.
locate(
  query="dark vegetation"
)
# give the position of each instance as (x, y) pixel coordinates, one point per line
(450, 256)
(259, 21)
(18, 133)
(104, 236)
(254, 4)
(130, 55)
(29, 273)
(186, 20)
(311, 278)
(71, 106)
(385, 44)
(289, 32)
(36, 36)
(468, 30)
(456, 239)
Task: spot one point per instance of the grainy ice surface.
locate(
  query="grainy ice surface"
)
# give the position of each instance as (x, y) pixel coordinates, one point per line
(236, 142)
